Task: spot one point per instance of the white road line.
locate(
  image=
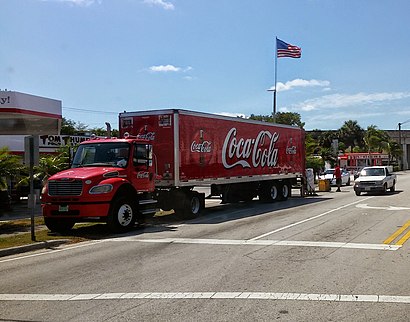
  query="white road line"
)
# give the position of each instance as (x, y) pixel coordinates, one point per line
(389, 208)
(247, 242)
(209, 295)
(83, 244)
(308, 219)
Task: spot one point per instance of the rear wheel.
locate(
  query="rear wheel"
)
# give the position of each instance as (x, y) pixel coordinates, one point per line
(284, 191)
(191, 205)
(59, 225)
(122, 215)
(270, 192)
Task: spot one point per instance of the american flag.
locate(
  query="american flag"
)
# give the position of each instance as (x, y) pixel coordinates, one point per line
(287, 50)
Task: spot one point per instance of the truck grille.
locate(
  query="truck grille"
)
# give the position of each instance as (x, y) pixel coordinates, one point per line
(65, 188)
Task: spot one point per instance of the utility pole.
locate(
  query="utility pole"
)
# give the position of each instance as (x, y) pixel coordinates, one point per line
(401, 155)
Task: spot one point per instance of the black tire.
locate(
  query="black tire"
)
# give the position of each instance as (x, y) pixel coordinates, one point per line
(192, 205)
(59, 225)
(358, 193)
(270, 192)
(285, 192)
(122, 216)
(348, 182)
(393, 187)
(385, 188)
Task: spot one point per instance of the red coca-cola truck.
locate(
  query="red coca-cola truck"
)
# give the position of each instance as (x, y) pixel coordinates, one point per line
(162, 156)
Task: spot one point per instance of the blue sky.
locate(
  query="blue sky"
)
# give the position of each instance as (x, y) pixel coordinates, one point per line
(101, 57)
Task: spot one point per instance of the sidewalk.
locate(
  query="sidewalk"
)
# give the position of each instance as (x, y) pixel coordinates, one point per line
(19, 210)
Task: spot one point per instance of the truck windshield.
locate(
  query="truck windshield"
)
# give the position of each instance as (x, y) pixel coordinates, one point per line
(372, 172)
(113, 154)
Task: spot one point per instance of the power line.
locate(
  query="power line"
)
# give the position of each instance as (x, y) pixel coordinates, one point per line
(87, 110)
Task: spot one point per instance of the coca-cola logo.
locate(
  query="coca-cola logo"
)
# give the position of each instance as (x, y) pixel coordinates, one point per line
(251, 152)
(290, 148)
(142, 175)
(150, 136)
(204, 147)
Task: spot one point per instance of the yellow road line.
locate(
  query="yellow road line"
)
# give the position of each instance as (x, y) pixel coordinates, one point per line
(403, 240)
(397, 233)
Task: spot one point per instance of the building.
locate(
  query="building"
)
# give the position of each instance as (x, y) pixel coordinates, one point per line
(29, 114)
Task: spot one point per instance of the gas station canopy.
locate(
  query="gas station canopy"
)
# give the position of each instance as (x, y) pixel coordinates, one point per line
(28, 114)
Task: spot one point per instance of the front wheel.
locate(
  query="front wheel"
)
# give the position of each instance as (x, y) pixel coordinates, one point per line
(393, 187)
(122, 215)
(358, 193)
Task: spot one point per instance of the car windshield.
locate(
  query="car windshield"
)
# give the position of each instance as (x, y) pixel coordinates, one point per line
(372, 172)
(329, 171)
(102, 154)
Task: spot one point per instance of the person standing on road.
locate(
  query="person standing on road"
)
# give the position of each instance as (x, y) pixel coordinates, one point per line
(338, 175)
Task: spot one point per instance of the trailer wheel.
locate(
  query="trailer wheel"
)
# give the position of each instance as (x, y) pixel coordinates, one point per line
(59, 225)
(270, 192)
(285, 192)
(122, 215)
(192, 205)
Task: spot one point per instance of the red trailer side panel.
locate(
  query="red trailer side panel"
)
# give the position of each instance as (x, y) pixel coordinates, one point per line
(213, 147)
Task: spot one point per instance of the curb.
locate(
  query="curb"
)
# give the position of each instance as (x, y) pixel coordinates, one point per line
(31, 247)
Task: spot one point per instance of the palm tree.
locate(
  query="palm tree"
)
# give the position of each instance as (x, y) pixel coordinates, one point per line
(10, 165)
(351, 134)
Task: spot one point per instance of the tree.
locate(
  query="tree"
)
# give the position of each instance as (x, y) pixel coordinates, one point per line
(288, 118)
(375, 139)
(10, 165)
(68, 127)
(351, 134)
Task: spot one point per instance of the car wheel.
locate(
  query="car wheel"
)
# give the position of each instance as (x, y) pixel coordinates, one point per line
(348, 182)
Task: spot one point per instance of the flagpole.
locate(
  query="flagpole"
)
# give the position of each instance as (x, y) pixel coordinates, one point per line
(276, 77)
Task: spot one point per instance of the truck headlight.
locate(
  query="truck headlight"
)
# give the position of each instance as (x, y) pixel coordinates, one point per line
(103, 188)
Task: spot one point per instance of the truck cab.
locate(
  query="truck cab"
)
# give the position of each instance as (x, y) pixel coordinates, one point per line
(110, 180)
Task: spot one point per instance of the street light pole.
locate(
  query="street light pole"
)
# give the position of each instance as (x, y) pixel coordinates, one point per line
(401, 154)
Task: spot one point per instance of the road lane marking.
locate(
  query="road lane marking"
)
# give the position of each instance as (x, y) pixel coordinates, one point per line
(210, 296)
(308, 219)
(48, 252)
(389, 208)
(397, 233)
(264, 242)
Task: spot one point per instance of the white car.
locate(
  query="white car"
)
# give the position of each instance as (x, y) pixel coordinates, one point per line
(328, 175)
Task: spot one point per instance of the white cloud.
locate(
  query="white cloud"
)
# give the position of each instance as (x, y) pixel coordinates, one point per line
(232, 114)
(171, 68)
(80, 3)
(164, 69)
(161, 3)
(281, 87)
(348, 100)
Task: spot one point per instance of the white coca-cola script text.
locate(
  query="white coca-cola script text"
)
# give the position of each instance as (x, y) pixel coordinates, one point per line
(204, 147)
(251, 152)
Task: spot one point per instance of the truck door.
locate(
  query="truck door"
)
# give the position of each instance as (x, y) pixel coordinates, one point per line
(143, 174)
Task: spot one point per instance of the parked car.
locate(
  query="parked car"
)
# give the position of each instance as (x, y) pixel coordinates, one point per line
(329, 175)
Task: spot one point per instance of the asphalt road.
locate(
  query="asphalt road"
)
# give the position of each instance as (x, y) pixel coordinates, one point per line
(331, 257)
